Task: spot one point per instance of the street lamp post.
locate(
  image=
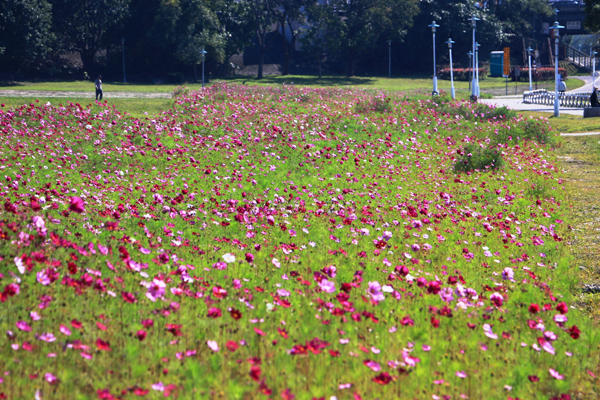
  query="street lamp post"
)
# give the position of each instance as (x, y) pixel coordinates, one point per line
(470, 54)
(435, 86)
(452, 93)
(390, 58)
(594, 53)
(556, 28)
(477, 66)
(203, 54)
(123, 43)
(474, 86)
(529, 50)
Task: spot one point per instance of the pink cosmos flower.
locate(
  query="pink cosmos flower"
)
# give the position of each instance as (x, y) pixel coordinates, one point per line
(156, 289)
(327, 286)
(213, 345)
(64, 330)
(555, 374)
(373, 365)
(487, 330)
(51, 379)
(375, 292)
(461, 374)
(24, 326)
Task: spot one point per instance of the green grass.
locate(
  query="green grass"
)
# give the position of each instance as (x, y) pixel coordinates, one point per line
(420, 82)
(568, 123)
(137, 107)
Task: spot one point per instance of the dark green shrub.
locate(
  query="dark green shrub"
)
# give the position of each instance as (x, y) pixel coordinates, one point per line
(474, 157)
(479, 112)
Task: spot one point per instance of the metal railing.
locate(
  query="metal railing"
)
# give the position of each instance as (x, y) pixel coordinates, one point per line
(546, 98)
(578, 57)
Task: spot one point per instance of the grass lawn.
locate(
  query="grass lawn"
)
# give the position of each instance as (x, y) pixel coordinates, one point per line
(568, 123)
(406, 83)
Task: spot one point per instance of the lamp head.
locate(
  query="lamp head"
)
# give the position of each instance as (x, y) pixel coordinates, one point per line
(449, 43)
(433, 26)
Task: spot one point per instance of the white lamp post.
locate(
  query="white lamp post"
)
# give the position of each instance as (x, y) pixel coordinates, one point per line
(202, 54)
(529, 50)
(435, 85)
(449, 42)
(470, 54)
(477, 66)
(594, 53)
(474, 86)
(556, 28)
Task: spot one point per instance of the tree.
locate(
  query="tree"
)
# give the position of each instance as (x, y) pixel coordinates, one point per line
(316, 41)
(236, 26)
(291, 13)
(592, 15)
(362, 23)
(24, 34)
(82, 25)
(263, 16)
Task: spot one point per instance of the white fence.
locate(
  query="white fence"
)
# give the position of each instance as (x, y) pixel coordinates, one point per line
(546, 98)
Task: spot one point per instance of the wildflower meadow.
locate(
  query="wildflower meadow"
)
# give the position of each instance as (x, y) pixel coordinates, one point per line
(287, 243)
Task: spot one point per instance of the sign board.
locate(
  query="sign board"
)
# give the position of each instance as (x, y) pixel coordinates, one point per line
(574, 25)
(507, 61)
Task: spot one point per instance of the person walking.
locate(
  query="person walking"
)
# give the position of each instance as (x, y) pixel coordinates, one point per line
(98, 84)
(594, 98)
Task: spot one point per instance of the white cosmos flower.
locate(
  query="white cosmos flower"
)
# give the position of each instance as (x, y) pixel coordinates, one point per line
(229, 258)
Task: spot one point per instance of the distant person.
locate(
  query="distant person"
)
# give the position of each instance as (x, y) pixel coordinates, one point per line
(594, 98)
(98, 84)
(562, 86)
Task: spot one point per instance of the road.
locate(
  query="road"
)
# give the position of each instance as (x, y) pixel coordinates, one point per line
(516, 102)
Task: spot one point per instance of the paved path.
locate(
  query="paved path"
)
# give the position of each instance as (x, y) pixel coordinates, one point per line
(73, 94)
(516, 102)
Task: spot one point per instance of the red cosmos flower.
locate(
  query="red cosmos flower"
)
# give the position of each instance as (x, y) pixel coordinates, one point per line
(287, 395)
(264, 389)
(249, 257)
(129, 297)
(533, 378)
(235, 314)
(232, 346)
(104, 394)
(259, 332)
(435, 322)
(141, 334)
(76, 324)
(383, 378)
(255, 372)
(174, 329)
(102, 345)
(148, 323)
(283, 333)
(140, 391)
(76, 205)
(534, 308)
(214, 312)
(407, 321)
(562, 308)
(433, 287)
(574, 332)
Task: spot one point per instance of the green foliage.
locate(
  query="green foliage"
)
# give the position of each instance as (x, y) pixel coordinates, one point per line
(25, 36)
(175, 77)
(592, 15)
(474, 157)
(377, 104)
(529, 129)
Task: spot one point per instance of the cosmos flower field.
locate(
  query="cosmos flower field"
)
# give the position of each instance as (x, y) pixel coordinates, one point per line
(285, 242)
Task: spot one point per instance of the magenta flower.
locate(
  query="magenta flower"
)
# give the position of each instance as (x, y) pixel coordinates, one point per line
(24, 326)
(76, 205)
(156, 289)
(555, 374)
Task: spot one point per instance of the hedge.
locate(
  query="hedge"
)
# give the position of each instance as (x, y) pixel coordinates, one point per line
(460, 74)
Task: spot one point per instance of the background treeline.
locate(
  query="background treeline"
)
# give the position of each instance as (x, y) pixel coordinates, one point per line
(164, 37)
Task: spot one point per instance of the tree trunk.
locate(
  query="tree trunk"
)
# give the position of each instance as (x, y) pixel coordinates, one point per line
(87, 58)
(350, 65)
(320, 75)
(260, 64)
